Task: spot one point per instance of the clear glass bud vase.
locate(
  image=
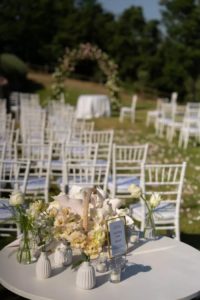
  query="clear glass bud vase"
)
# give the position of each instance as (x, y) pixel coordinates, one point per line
(150, 232)
(24, 251)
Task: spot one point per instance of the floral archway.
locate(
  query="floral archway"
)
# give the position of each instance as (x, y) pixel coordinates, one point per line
(90, 52)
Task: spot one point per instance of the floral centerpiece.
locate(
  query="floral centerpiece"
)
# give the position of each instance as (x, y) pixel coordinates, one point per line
(150, 205)
(86, 232)
(79, 219)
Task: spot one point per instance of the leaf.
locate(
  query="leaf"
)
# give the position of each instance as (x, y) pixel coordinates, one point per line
(79, 262)
(76, 264)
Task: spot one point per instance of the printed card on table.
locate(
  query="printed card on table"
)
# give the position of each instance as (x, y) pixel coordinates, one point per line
(117, 237)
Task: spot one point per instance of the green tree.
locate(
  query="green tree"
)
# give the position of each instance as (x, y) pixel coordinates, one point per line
(181, 48)
(125, 45)
(27, 27)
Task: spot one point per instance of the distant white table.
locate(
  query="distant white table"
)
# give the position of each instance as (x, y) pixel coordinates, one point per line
(157, 270)
(92, 106)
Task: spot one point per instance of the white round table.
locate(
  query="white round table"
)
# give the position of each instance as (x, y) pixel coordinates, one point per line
(163, 269)
(92, 106)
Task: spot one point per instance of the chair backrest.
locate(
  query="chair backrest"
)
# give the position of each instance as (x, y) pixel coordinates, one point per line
(75, 153)
(13, 175)
(2, 150)
(167, 179)
(58, 135)
(40, 156)
(86, 175)
(191, 125)
(174, 97)
(14, 99)
(168, 111)
(127, 161)
(192, 111)
(104, 139)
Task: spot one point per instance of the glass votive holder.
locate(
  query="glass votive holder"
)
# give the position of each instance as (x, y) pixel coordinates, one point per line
(134, 237)
(101, 266)
(115, 275)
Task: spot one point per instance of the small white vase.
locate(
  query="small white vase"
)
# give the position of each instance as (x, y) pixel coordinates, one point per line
(43, 266)
(85, 278)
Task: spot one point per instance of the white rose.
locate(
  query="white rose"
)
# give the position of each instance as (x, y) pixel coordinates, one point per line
(16, 198)
(129, 221)
(155, 200)
(116, 203)
(76, 192)
(135, 191)
(124, 212)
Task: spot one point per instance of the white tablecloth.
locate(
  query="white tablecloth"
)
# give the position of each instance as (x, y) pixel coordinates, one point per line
(156, 270)
(92, 106)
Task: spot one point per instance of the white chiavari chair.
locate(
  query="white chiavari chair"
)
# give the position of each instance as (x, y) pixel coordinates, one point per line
(40, 156)
(127, 161)
(127, 111)
(13, 176)
(167, 179)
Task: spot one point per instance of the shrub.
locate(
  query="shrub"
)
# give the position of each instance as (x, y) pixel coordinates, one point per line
(12, 66)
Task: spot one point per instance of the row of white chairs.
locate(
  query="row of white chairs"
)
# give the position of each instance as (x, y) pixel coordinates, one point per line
(128, 166)
(68, 153)
(172, 118)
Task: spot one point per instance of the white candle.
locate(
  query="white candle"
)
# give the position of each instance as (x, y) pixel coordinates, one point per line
(101, 267)
(133, 239)
(115, 276)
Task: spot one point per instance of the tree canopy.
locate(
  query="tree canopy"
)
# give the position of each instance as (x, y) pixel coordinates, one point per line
(161, 55)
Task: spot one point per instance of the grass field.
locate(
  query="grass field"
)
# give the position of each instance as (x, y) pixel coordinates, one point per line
(160, 152)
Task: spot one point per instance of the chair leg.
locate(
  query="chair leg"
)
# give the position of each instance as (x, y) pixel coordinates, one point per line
(133, 118)
(46, 196)
(121, 117)
(180, 139)
(157, 128)
(147, 121)
(177, 232)
(186, 141)
(171, 134)
(168, 133)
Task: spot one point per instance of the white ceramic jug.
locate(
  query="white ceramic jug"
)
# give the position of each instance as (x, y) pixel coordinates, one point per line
(85, 278)
(43, 266)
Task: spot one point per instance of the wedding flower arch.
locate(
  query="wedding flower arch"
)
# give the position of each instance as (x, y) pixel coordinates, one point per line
(91, 52)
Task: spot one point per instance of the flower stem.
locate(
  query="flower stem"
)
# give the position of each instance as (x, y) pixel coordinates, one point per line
(150, 215)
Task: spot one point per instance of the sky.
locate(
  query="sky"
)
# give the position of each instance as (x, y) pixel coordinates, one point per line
(150, 7)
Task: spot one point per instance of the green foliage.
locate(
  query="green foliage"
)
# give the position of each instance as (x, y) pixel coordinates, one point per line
(11, 65)
(182, 21)
(169, 55)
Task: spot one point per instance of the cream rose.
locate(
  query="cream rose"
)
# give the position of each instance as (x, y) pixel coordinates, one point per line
(135, 191)
(155, 200)
(54, 205)
(16, 198)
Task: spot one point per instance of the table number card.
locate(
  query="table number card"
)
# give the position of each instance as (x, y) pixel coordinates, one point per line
(117, 236)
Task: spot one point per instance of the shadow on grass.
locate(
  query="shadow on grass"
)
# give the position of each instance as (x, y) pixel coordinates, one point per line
(191, 239)
(31, 86)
